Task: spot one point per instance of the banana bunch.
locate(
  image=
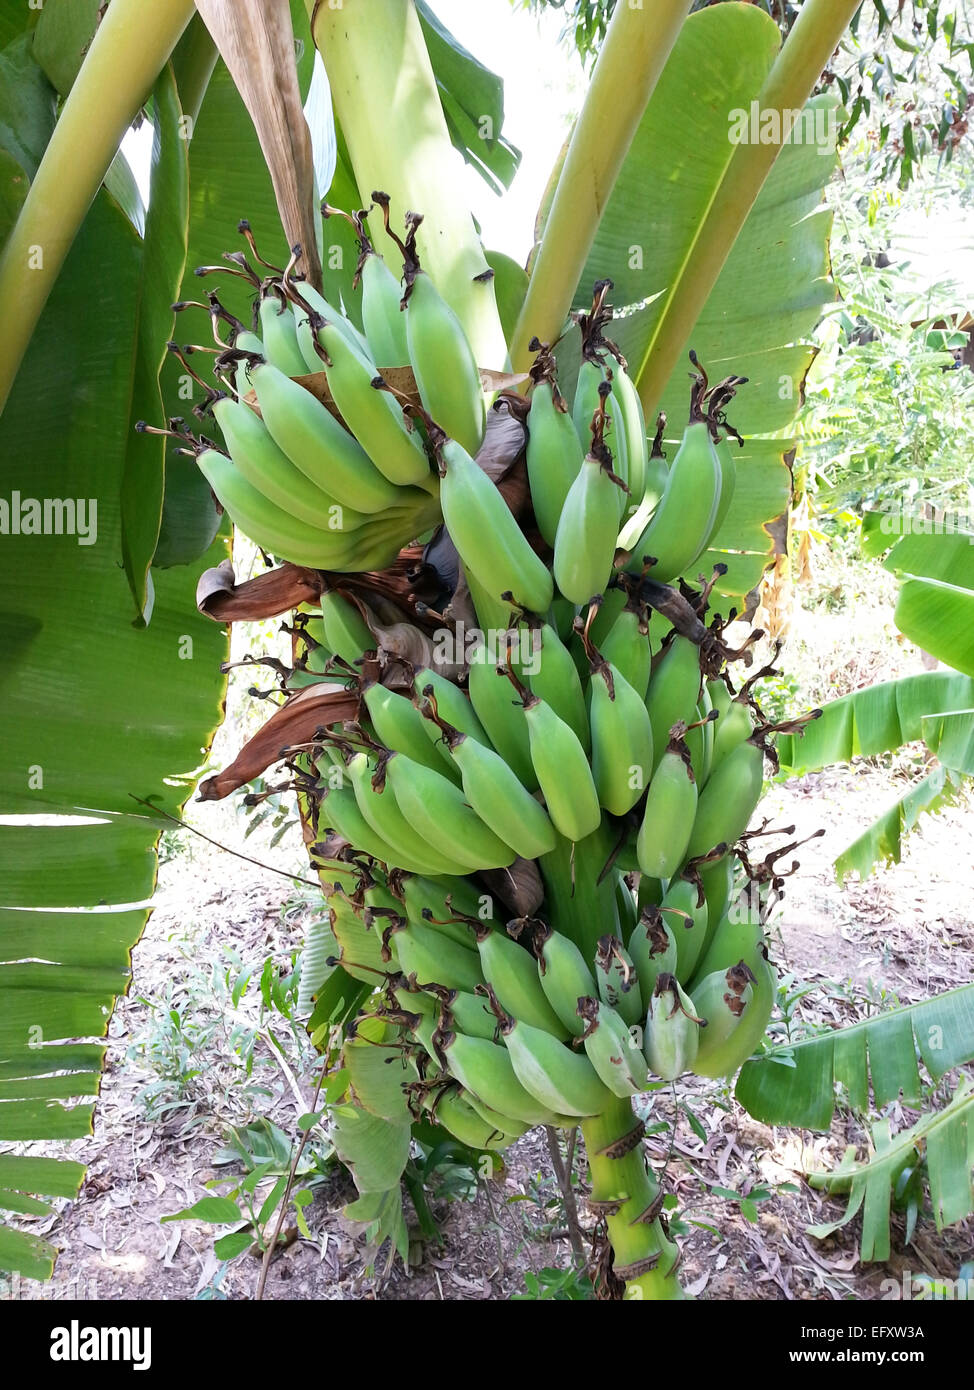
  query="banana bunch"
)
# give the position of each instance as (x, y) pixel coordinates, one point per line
(323, 462)
(535, 854)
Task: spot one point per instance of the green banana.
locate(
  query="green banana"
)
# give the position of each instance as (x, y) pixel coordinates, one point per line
(456, 1114)
(626, 646)
(279, 333)
(557, 1077)
(471, 1012)
(433, 958)
(441, 817)
(728, 482)
(268, 525)
(674, 689)
(617, 979)
(672, 1034)
(657, 470)
(401, 727)
(557, 681)
(611, 604)
(590, 390)
(669, 812)
(739, 935)
(561, 616)
(499, 799)
(512, 973)
(561, 768)
(381, 809)
(682, 522)
(382, 314)
(609, 1046)
(622, 737)
(346, 633)
(309, 303)
(268, 469)
(652, 948)
(443, 898)
(501, 715)
(585, 542)
(246, 342)
(504, 1124)
(360, 950)
(632, 424)
(319, 446)
(484, 530)
(440, 354)
(734, 725)
(722, 998)
(554, 456)
(682, 897)
(340, 812)
(372, 414)
(453, 705)
(717, 879)
(564, 975)
(728, 800)
(700, 739)
(626, 904)
(487, 1071)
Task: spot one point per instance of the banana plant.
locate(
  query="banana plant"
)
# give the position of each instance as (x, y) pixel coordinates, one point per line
(706, 262)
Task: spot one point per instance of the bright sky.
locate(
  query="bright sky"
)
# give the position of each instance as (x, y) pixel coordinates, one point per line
(543, 87)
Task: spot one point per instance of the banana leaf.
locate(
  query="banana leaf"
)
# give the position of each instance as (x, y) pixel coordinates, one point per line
(89, 713)
(932, 706)
(946, 1140)
(794, 1084)
(882, 842)
(873, 721)
(473, 104)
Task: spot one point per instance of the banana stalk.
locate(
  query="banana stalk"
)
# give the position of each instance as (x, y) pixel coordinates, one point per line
(389, 110)
(642, 1253)
(637, 45)
(789, 84)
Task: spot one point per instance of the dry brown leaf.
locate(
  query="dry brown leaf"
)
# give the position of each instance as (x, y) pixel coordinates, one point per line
(218, 596)
(294, 723)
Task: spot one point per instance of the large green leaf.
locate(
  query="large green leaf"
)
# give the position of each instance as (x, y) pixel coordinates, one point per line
(951, 737)
(163, 262)
(939, 618)
(794, 1084)
(473, 103)
(947, 1138)
(375, 1150)
(929, 705)
(64, 31)
(877, 720)
(90, 715)
(882, 842)
(27, 105)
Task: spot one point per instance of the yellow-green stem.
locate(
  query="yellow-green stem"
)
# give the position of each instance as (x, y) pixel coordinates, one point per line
(789, 84)
(389, 110)
(619, 1171)
(637, 45)
(129, 50)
